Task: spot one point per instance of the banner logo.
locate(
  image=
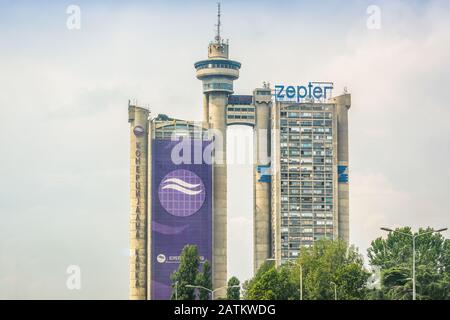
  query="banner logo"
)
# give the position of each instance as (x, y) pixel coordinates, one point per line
(181, 193)
(161, 258)
(138, 131)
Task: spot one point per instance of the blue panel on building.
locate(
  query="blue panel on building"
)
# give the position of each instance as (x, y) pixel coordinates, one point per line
(343, 174)
(265, 174)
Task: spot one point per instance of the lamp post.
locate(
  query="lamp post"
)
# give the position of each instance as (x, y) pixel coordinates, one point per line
(292, 261)
(335, 290)
(211, 291)
(176, 290)
(413, 237)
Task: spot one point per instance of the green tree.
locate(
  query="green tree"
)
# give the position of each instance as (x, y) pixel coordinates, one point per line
(323, 263)
(394, 256)
(186, 274)
(204, 279)
(328, 262)
(233, 293)
(272, 284)
(249, 284)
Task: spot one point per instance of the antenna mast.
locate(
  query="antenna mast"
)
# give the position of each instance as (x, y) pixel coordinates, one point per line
(218, 23)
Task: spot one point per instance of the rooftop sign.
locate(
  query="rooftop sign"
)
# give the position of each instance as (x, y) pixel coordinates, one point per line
(313, 92)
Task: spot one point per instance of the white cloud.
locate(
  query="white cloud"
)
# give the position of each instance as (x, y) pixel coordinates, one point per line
(375, 202)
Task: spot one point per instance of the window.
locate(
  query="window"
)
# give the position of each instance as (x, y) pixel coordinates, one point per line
(305, 115)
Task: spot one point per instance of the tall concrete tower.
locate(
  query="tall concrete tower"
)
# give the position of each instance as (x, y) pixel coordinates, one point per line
(139, 156)
(310, 194)
(262, 99)
(343, 103)
(217, 74)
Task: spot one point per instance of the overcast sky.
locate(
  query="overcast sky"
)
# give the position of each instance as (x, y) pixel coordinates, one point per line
(64, 166)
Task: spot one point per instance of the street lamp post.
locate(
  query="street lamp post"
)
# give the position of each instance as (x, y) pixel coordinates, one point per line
(301, 281)
(211, 291)
(414, 237)
(300, 269)
(176, 290)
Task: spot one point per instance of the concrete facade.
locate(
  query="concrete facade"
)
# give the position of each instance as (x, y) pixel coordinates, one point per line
(262, 150)
(343, 104)
(217, 75)
(310, 199)
(301, 189)
(139, 138)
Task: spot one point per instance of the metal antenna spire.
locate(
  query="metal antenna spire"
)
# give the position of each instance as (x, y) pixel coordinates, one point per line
(218, 23)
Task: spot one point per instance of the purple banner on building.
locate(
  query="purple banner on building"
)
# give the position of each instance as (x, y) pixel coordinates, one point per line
(181, 213)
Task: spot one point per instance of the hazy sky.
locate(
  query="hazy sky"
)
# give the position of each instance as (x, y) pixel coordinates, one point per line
(64, 166)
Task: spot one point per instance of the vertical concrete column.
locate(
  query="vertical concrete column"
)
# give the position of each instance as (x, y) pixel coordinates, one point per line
(276, 185)
(217, 121)
(149, 208)
(205, 108)
(138, 118)
(343, 104)
(262, 208)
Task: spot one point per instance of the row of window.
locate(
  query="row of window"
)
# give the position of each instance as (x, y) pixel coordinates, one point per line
(250, 109)
(306, 115)
(303, 205)
(306, 184)
(218, 65)
(307, 216)
(306, 161)
(309, 224)
(306, 192)
(308, 198)
(306, 176)
(289, 137)
(306, 144)
(316, 123)
(290, 234)
(309, 205)
(286, 129)
(288, 238)
(306, 221)
(305, 107)
(315, 160)
(299, 231)
(297, 245)
(290, 250)
(318, 150)
(294, 157)
(232, 116)
(304, 214)
(218, 85)
(309, 168)
(302, 209)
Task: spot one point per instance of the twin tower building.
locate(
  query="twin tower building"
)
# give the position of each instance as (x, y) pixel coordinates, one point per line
(178, 175)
